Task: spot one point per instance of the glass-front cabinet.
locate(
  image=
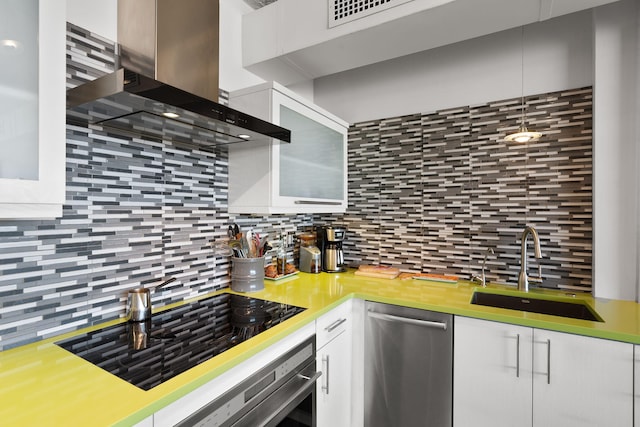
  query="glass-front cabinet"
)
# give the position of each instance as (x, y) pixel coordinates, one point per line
(308, 175)
(32, 108)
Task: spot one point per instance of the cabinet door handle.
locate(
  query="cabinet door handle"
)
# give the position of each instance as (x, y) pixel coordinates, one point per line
(548, 361)
(418, 322)
(518, 356)
(335, 324)
(325, 362)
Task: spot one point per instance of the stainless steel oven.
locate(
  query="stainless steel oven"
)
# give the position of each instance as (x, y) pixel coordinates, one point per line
(280, 394)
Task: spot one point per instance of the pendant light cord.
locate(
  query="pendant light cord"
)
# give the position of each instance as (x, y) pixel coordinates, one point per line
(522, 134)
(526, 157)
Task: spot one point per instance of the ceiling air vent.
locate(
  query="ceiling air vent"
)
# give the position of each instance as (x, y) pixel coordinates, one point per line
(342, 11)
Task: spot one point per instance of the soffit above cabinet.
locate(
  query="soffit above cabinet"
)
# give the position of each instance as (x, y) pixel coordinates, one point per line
(290, 41)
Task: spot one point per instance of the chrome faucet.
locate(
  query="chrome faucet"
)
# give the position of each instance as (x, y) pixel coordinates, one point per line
(482, 279)
(523, 279)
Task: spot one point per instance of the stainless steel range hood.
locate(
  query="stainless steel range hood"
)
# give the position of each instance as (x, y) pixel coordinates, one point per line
(166, 86)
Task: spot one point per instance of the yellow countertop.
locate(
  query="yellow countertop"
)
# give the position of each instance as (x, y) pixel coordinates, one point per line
(42, 384)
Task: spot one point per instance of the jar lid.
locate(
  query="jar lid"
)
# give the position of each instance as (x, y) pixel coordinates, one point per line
(307, 238)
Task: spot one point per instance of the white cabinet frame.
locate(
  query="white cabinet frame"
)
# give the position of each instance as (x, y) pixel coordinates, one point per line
(254, 167)
(44, 197)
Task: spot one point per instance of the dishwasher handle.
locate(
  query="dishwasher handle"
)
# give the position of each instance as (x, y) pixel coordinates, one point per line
(409, 320)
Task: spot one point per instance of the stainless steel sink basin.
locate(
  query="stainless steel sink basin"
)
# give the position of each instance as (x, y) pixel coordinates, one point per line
(572, 309)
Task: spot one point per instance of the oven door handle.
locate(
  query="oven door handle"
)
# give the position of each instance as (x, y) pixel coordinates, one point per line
(272, 410)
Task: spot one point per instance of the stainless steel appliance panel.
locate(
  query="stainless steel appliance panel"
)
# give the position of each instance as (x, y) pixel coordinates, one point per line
(408, 367)
(281, 394)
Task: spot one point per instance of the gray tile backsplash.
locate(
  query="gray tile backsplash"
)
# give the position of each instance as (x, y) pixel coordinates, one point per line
(432, 192)
(427, 192)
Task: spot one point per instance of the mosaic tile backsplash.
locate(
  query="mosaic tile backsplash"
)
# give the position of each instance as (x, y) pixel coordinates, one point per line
(428, 192)
(434, 192)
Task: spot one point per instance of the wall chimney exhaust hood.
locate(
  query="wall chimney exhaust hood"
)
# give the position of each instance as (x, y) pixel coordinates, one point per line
(167, 81)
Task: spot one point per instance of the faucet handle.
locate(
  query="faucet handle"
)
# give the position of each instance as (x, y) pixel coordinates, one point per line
(538, 278)
(478, 279)
(482, 279)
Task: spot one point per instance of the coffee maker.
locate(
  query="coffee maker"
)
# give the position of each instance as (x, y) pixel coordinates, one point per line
(330, 243)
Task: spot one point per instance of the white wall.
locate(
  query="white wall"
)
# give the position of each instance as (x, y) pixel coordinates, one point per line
(557, 55)
(637, 120)
(97, 16)
(616, 151)
(232, 75)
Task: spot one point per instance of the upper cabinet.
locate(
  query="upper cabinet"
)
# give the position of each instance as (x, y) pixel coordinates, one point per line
(309, 175)
(32, 108)
(292, 40)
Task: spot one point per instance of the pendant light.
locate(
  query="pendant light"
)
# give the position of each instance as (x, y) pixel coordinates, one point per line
(523, 134)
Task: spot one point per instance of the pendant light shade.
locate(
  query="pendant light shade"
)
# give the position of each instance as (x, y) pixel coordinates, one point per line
(523, 134)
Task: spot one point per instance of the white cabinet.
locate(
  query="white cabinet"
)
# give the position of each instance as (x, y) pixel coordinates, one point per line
(581, 381)
(636, 382)
(357, 362)
(32, 109)
(308, 175)
(334, 360)
(491, 374)
(506, 375)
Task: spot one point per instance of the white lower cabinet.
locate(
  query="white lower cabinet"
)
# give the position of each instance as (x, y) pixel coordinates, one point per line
(581, 381)
(507, 375)
(490, 386)
(334, 360)
(636, 389)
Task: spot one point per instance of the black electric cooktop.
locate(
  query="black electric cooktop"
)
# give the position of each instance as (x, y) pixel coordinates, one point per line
(149, 353)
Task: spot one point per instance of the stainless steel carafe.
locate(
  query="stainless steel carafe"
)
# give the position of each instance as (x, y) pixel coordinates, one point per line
(139, 302)
(333, 258)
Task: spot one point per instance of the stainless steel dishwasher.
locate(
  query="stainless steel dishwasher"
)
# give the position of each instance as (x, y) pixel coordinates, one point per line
(408, 367)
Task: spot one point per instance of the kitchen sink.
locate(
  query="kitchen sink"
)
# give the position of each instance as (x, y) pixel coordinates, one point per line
(534, 304)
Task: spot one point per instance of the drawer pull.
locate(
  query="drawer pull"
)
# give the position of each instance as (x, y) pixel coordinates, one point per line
(335, 324)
